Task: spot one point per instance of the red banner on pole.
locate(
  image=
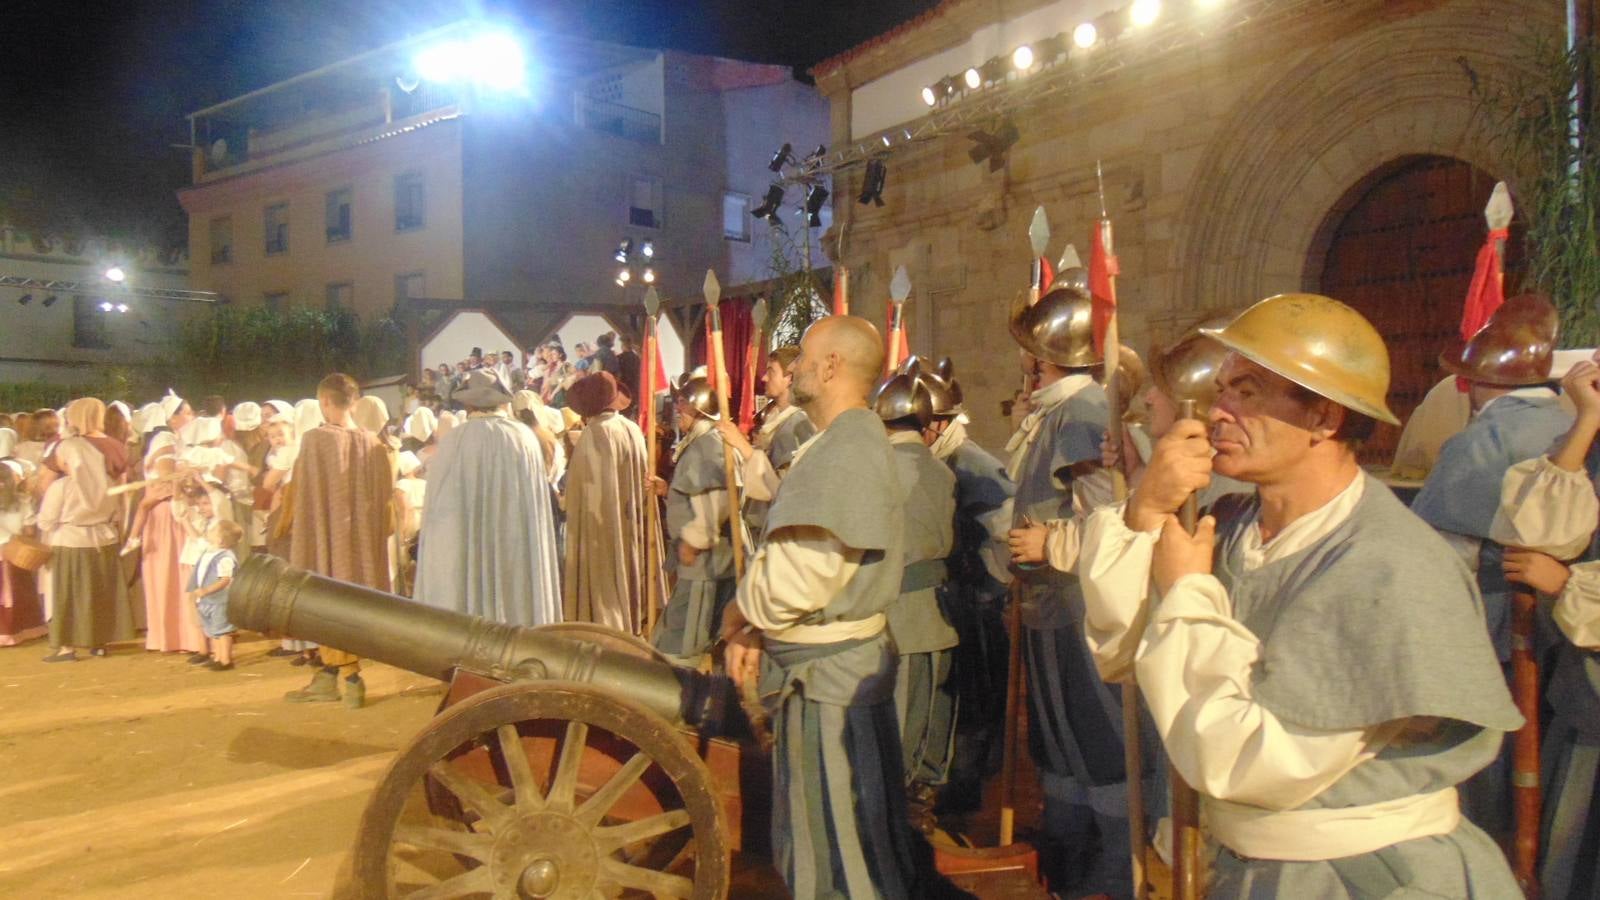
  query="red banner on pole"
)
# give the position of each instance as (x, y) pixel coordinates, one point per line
(1102, 269)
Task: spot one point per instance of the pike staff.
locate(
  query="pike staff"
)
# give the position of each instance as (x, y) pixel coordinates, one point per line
(654, 587)
(1038, 240)
(899, 290)
(713, 295)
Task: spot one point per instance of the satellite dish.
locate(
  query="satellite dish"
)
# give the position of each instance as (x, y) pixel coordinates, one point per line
(219, 151)
(407, 82)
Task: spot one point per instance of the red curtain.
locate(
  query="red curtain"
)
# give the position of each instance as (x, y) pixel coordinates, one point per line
(736, 327)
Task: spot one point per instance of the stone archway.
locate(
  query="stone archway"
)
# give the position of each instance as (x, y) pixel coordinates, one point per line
(1322, 122)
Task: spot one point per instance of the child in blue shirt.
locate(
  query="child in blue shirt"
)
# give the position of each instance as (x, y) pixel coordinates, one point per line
(208, 590)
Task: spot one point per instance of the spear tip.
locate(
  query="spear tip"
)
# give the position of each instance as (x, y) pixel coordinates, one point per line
(652, 301)
(758, 314)
(1499, 211)
(1069, 259)
(713, 288)
(1039, 232)
(900, 287)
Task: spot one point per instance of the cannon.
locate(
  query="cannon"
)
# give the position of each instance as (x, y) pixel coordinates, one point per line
(566, 761)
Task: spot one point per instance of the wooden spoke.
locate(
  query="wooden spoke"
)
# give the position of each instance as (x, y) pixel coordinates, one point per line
(660, 884)
(473, 881)
(601, 801)
(564, 786)
(529, 798)
(473, 796)
(618, 836)
(465, 843)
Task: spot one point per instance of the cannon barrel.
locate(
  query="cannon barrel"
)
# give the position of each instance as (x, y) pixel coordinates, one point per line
(268, 594)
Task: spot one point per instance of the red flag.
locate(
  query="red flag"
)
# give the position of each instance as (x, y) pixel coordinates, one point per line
(841, 291)
(1102, 269)
(647, 403)
(747, 391)
(1485, 294)
(1047, 275)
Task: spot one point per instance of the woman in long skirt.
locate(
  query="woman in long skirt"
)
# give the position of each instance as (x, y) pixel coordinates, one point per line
(21, 612)
(89, 598)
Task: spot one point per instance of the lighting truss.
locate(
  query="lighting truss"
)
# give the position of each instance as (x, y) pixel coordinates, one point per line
(100, 289)
(982, 107)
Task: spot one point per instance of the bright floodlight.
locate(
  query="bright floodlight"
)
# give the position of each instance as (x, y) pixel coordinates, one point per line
(973, 78)
(1144, 12)
(493, 60)
(624, 275)
(1022, 58)
(649, 276)
(649, 250)
(105, 306)
(116, 274)
(1084, 35)
(122, 307)
(929, 97)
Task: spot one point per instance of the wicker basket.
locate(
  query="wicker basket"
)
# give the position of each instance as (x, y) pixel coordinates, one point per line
(25, 552)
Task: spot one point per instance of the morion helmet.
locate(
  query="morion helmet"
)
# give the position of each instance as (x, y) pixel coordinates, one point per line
(943, 389)
(1059, 328)
(1318, 343)
(696, 393)
(1515, 348)
(1187, 370)
(902, 399)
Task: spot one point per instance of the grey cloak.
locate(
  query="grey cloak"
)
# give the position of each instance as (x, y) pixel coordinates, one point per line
(488, 542)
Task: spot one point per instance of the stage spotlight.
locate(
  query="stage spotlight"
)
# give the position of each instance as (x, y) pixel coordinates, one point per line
(122, 307)
(1050, 49)
(817, 154)
(49, 301)
(872, 183)
(115, 274)
(649, 275)
(785, 154)
(887, 140)
(992, 146)
(105, 306)
(624, 276)
(25, 299)
(769, 205)
(994, 70)
(929, 96)
(624, 249)
(1022, 58)
(1144, 12)
(973, 79)
(649, 250)
(816, 195)
(1085, 35)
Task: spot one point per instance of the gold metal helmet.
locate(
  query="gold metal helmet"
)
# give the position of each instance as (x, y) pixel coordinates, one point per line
(1131, 378)
(696, 393)
(1515, 348)
(943, 390)
(1318, 343)
(1075, 277)
(1188, 369)
(902, 399)
(1059, 328)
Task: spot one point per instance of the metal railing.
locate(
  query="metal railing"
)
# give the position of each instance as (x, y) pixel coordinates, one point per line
(622, 121)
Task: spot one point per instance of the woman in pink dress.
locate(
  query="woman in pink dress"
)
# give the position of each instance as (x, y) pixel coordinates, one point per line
(21, 612)
(169, 626)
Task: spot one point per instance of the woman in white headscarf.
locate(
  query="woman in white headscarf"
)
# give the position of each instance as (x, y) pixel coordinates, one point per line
(169, 627)
(21, 610)
(89, 598)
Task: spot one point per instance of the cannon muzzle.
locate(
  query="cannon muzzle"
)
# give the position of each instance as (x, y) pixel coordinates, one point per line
(268, 594)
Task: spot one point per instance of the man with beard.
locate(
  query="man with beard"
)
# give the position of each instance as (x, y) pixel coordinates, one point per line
(814, 604)
(1314, 655)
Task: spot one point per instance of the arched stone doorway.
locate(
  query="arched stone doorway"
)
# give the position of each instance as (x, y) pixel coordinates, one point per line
(1400, 247)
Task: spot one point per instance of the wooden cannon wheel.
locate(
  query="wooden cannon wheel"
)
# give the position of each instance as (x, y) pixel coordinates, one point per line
(606, 638)
(560, 790)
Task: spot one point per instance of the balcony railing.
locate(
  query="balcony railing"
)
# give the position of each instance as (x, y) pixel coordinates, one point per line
(622, 121)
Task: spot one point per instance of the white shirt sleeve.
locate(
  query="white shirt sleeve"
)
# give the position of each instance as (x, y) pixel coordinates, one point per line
(760, 480)
(1546, 508)
(1114, 569)
(1577, 610)
(710, 510)
(797, 571)
(1062, 541)
(225, 567)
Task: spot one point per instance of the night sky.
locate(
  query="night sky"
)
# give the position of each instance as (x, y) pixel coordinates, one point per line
(92, 94)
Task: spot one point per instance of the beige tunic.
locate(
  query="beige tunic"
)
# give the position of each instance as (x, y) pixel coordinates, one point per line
(605, 571)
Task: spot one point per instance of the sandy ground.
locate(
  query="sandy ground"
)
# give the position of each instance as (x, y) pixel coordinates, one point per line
(138, 775)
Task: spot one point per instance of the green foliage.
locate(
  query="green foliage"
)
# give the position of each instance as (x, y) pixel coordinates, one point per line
(259, 352)
(795, 300)
(1545, 137)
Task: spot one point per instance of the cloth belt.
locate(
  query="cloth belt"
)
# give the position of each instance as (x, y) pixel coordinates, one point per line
(1305, 835)
(923, 574)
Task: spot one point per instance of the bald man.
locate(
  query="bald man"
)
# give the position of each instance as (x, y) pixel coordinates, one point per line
(814, 600)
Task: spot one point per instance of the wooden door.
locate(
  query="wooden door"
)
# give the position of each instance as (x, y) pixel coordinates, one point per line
(1402, 252)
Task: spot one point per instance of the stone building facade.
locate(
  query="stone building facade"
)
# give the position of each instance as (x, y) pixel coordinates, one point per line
(1233, 169)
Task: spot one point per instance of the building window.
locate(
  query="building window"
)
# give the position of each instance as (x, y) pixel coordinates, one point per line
(341, 296)
(407, 287)
(276, 301)
(89, 324)
(736, 217)
(644, 202)
(408, 202)
(276, 221)
(338, 215)
(221, 240)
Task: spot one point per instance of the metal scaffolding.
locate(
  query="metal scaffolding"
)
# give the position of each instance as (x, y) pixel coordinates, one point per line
(108, 291)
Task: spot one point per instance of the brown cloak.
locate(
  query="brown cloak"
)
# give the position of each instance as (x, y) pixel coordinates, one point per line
(605, 563)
